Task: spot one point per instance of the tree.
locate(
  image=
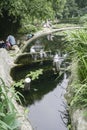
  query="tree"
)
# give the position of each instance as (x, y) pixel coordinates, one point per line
(10, 15)
(14, 13)
(70, 9)
(58, 6)
(81, 3)
(40, 9)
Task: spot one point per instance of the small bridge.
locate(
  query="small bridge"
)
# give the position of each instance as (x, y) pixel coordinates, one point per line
(25, 57)
(33, 61)
(44, 33)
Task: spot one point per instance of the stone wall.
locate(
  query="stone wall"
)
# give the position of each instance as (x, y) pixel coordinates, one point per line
(6, 63)
(79, 120)
(77, 115)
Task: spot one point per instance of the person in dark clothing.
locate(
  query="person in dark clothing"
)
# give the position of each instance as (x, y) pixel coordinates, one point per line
(29, 36)
(2, 44)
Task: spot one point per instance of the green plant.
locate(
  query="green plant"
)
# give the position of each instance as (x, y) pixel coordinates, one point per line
(8, 113)
(80, 96)
(83, 19)
(77, 44)
(33, 75)
(27, 29)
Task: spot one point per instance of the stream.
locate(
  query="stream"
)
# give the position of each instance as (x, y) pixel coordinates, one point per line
(45, 100)
(45, 113)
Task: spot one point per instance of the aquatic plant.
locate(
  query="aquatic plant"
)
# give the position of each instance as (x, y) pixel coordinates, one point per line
(32, 74)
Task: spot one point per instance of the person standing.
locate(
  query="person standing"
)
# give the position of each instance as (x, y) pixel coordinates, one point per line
(56, 62)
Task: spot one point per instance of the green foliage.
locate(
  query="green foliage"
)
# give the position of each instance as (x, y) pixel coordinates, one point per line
(10, 120)
(69, 127)
(13, 8)
(33, 75)
(70, 9)
(8, 113)
(15, 14)
(83, 19)
(40, 9)
(81, 3)
(74, 20)
(27, 29)
(19, 84)
(80, 94)
(77, 44)
(58, 7)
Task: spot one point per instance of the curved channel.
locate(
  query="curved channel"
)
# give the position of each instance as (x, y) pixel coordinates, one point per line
(46, 113)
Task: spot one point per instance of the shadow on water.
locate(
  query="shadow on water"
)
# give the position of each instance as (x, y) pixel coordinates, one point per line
(46, 104)
(38, 88)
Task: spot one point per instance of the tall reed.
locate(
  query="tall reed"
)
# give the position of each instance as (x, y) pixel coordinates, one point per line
(77, 47)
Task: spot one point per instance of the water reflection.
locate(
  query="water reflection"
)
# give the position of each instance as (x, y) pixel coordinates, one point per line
(39, 89)
(44, 113)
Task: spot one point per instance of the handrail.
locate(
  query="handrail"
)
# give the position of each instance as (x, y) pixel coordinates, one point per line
(44, 33)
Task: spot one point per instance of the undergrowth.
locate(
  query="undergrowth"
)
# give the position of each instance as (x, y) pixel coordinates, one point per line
(77, 44)
(8, 112)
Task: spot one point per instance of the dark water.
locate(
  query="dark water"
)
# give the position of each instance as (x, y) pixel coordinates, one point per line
(44, 113)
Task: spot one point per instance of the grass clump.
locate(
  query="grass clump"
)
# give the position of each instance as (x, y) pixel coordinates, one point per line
(77, 46)
(8, 113)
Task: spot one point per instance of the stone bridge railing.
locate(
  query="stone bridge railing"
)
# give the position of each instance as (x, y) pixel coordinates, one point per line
(47, 32)
(24, 57)
(27, 58)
